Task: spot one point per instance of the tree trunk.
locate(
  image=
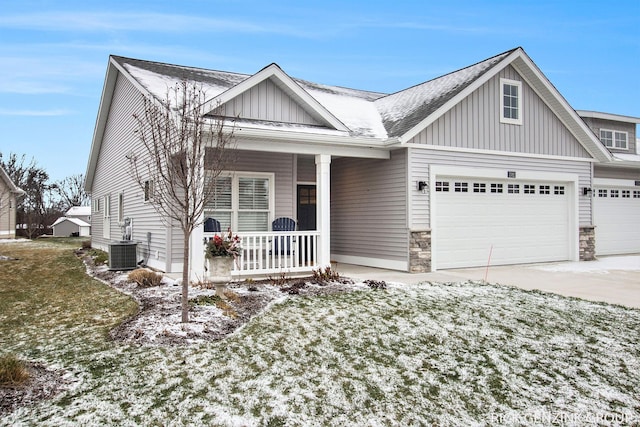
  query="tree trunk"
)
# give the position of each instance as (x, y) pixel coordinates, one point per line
(185, 277)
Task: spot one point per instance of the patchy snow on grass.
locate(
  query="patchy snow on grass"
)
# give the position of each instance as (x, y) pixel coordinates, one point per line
(601, 266)
(427, 354)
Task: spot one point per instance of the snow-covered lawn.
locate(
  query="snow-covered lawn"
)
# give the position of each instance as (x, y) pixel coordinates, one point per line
(428, 354)
(456, 354)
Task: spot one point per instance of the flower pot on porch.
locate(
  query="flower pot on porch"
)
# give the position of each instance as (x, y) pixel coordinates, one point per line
(219, 270)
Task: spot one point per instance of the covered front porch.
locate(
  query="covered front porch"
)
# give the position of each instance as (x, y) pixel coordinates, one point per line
(262, 190)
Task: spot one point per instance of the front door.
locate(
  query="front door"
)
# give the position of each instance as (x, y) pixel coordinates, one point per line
(306, 207)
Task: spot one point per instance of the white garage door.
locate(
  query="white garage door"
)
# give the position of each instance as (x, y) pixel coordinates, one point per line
(616, 215)
(513, 222)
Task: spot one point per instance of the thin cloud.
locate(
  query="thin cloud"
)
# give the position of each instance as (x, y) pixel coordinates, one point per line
(34, 113)
(137, 22)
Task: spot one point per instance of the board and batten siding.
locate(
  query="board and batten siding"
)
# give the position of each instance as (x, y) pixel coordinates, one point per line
(421, 159)
(475, 123)
(266, 101)
(369, 208)
(112, 176)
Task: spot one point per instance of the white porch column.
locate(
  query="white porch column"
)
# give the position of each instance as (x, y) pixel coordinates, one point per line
(196, 258)
(323, 208)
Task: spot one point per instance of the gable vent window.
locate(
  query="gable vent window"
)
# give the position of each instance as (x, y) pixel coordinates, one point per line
(511, 101)
(614, 139)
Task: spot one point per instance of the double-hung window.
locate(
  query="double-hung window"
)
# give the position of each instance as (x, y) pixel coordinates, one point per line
(510, 101)
(242, 201)
(614, 139)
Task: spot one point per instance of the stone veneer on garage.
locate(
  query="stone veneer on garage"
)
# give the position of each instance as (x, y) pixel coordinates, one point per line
(420, 252)
(420, 248)
(587, 243)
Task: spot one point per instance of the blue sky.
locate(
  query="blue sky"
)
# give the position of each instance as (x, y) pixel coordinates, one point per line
(53, 54)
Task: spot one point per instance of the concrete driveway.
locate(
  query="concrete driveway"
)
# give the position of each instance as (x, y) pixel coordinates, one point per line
(614, 279)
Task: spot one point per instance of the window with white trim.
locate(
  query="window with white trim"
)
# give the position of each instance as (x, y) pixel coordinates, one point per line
(95, 204)
(148, 190)
(479, 187)
(106, 203)
(442, 186)
(242, 201)
(461, 187)
(511, 101)
(614, 139)
(120, 207)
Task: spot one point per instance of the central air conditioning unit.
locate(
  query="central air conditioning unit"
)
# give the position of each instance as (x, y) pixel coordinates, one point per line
(123, 255)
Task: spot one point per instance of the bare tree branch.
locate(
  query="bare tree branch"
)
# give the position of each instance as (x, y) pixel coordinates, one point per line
(176, 134)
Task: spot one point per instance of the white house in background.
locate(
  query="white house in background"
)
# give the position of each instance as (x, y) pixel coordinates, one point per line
(486, 161)
(75, 222)
(80, 212)
(8, 202)
(71, 227)
(616, 184)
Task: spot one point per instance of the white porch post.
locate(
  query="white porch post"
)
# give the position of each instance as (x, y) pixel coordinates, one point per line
(196, 258)
(323, 208)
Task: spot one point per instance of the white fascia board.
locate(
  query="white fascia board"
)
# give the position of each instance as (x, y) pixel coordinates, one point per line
(608, 116)
(530, 72)
(457, 99)
(287, 84)
(277, 141)
(497, 153)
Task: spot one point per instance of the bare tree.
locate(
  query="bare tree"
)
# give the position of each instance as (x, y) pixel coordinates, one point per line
(38, 207)
(71, 191)
(183, 150)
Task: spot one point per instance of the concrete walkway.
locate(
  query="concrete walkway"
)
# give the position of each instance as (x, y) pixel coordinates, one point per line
(615, 280)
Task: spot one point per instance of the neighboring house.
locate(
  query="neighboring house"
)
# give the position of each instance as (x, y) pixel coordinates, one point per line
(485, 164)
(80, 212)
(71, 227)
(9, 194)
(616, 184)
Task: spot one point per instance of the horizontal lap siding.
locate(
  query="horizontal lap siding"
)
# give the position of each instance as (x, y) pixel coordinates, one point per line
(617, 173)
(475, 123)
(368, 207)
(422, 159)
(113, 176)
(277, 163)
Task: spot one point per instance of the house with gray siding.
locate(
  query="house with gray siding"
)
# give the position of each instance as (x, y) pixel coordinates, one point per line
(616, 184)
(9, 194)
(485, 164)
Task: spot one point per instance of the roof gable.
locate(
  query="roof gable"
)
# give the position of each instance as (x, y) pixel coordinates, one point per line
(286, 85)
(4, 176)
(405, 110)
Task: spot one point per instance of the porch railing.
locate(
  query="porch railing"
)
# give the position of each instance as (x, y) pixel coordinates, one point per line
(266, 253)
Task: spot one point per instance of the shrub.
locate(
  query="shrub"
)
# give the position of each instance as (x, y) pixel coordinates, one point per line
(280, 280)
(145, 278)
(323, 275)
(376, 284)
(13, 371)
(86, 244)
